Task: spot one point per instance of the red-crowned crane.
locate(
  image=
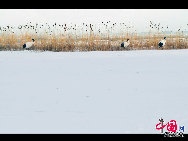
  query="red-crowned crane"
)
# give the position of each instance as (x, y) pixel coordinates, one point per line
(162, 42)
(27, 45)
(125, 44)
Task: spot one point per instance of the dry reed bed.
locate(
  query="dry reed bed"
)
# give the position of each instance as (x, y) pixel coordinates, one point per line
(87, 37)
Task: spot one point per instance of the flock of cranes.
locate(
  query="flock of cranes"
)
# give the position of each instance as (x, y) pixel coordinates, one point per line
(124, 44)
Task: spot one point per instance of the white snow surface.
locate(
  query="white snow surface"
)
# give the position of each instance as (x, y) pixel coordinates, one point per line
(92, 92)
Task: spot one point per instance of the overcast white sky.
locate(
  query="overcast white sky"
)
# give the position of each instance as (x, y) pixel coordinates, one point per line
(140, 18)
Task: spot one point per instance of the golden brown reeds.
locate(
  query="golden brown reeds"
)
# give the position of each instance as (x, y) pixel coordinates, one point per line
(88, 38)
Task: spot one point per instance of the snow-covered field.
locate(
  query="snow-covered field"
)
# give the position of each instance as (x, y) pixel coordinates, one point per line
(92, 92)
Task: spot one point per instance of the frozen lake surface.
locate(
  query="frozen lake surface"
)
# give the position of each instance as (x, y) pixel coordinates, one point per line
(92, 92)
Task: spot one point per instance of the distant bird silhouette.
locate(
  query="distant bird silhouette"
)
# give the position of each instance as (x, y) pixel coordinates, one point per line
(28, 45)
(125, 44)
(162, 42)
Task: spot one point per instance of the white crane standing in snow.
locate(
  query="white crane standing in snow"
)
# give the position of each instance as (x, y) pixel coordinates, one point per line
(125, 44)
(162, 42)
(27, 45)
